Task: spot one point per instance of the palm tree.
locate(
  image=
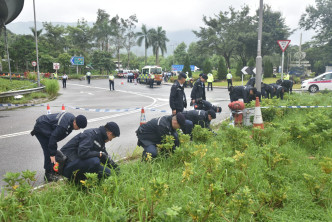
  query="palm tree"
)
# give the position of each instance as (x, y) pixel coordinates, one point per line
(158, 41)
(38, 31)
(146, 36)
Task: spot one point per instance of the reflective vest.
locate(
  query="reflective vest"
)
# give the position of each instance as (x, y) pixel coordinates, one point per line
(55, 75)
(152, 76)
(88, 73)
(111, 77)
(229, 76)
(210, 78)
(286, 77)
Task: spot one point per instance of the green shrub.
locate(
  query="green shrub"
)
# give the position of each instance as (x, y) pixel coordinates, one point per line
(51, 86)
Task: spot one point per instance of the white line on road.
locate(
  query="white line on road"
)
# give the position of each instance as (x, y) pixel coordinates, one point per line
(152, 105)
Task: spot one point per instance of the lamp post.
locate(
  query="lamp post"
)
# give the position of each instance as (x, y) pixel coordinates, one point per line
(34, 12)
(258, 78)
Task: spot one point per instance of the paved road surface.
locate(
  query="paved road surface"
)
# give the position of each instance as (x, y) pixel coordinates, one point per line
(20, 151)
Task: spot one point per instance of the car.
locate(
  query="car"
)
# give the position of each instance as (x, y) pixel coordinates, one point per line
(321, 82)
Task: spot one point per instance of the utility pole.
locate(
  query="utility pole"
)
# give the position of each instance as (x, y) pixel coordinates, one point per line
(34, 12)
(259, 62)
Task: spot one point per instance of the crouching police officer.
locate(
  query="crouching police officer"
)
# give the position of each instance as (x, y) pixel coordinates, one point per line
(206, 105)
(151, 133)
(198, 117)
(50, 129)
(86, 151)
(247, 93)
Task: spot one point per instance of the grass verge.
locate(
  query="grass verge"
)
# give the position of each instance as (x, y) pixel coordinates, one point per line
(282, 173)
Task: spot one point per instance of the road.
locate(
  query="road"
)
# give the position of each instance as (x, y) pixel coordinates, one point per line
(20, 151)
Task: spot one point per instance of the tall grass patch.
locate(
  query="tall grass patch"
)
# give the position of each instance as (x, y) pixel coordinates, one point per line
(240, 174)
(51, 86)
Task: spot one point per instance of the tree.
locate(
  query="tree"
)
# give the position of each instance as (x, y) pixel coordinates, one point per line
(38, 31)
(54, 39)
(79, 38)
(180, 53)
(130, 36)
(186, 66)
(222, 70)
(274, 28)
(268, 68)
(207, 67)
(196, 56)
(239, 66)
(158, 42)
(102, 60)
(102, 29)
(118, 39)
(144, 35)
(64, 60)
(319, 18)
(220, 35)
(252, 63)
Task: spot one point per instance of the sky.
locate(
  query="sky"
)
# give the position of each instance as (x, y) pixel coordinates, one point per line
(172, 15)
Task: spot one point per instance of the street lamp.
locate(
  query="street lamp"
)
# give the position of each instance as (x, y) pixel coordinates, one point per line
(258, 78)
(34, 12)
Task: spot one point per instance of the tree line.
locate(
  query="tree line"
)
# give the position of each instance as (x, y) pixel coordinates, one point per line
(227, 40)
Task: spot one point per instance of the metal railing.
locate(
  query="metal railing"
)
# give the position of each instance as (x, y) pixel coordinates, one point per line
(20, 92)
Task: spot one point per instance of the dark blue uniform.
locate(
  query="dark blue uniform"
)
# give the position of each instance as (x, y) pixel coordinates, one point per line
(177, 98)
(151, 134)
(196, 117)
(83, 153)
(50, 129)
(198, 91)
(243, 92)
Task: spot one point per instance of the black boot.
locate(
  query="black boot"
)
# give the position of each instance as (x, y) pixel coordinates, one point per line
(50, 176)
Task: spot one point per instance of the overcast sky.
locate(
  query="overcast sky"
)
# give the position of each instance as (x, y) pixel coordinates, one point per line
(172, 15)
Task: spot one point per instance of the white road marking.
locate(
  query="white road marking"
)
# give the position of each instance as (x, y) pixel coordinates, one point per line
(152, 105)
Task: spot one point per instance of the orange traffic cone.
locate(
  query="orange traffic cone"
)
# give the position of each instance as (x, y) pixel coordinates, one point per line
(121, 82)
(143, 119)
(63, 108)
(48, 109)
(258, 119)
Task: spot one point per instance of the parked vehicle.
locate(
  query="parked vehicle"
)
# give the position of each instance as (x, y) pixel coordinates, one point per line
(145, 76)
(321, 82)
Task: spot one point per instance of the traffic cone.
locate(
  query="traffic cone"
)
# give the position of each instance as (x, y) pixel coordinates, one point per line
(121, 82)
(63, 108)
(143, 119)
(258, 119)
(48, 109)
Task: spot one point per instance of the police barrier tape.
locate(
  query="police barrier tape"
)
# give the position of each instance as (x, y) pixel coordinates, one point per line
(85, 109)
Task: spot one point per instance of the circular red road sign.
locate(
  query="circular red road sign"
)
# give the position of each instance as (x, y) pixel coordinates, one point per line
(34, 63)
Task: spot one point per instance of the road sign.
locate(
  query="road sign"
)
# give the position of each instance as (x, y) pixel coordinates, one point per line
(77, 60)
(56, 66)
(244, 70)
(34, 63)
(247, 70)
(283, 44)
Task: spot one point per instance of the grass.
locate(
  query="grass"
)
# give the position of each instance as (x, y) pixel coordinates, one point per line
(14, 85)
(242, 174)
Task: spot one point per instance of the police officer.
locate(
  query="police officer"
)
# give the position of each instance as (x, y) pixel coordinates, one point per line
(151, 80)
(280, 91)
(52, 128)
(229, 79)
(198, 91)
(152, 133)
(268, 90)
(86, 151)
(177, 98)
(286, 77)
(206, 105)
(247, 93)
(111, 80)
(210, 81)
(88, 76)
(198, 117)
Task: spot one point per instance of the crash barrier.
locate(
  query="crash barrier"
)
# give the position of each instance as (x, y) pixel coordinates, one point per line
(247, 113)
